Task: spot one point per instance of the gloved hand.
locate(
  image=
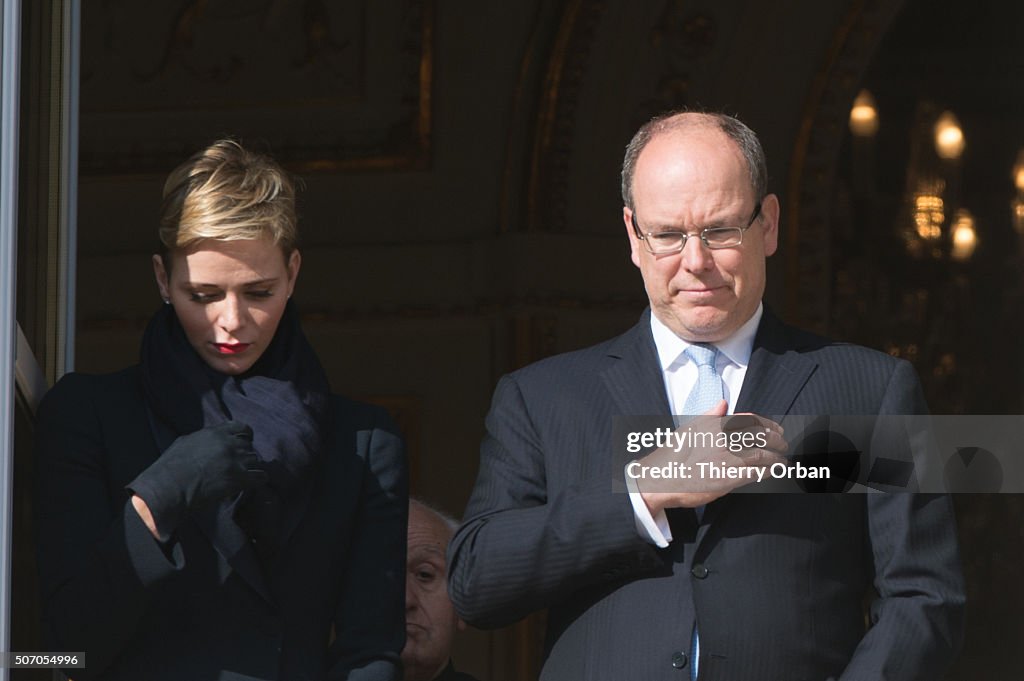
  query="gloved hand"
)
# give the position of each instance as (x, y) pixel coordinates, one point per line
(197, 470)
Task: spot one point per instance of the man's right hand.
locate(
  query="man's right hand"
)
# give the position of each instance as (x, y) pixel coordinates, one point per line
(197, 470)
(701, 488)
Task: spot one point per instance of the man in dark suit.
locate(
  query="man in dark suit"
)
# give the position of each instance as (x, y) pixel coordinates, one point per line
(707, 583)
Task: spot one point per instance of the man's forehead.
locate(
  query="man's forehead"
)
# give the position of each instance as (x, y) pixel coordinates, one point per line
(690, 163)
(427, 550)
(697, 140)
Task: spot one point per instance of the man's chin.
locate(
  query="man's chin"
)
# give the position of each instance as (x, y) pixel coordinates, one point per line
(702, 325)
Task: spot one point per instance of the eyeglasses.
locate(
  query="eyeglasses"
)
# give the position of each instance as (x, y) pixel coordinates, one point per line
(664, 243)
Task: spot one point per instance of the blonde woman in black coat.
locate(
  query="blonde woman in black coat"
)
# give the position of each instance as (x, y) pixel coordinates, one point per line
(214, 512)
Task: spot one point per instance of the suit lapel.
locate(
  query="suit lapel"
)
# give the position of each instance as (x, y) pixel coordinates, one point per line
(775, 376)
(634, 378)
(777, 371)
(637, 386)
(219, 526)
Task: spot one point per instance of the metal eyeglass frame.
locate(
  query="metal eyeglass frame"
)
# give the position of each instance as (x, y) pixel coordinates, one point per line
(703, 234)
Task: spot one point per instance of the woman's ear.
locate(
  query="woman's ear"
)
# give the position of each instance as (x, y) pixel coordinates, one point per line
(162, 279)
(294, 263)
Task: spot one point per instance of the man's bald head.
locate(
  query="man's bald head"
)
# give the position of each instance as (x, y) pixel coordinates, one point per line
(685, 121)
(430, 619)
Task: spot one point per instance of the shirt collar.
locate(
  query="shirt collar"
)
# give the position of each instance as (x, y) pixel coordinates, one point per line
(737, 347)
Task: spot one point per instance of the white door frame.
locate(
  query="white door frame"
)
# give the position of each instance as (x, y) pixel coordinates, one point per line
(20, 372)
(10, 53)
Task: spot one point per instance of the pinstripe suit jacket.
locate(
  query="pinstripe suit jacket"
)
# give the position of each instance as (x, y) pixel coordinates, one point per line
(777, 582)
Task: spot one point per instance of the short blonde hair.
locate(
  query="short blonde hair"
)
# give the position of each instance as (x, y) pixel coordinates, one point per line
(228, 193)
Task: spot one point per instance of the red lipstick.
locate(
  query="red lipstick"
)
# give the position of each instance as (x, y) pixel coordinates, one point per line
(231, 348)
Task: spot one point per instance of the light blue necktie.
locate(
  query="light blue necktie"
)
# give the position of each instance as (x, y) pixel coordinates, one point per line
(709, 389)
(708, 392)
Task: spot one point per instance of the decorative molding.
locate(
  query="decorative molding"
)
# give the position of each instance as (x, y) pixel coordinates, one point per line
(683, 38)
(810, 187)
(556, 118)
(526, 102)
(324, 85)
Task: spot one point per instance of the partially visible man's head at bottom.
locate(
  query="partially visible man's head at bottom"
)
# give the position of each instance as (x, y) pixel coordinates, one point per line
(430, 619)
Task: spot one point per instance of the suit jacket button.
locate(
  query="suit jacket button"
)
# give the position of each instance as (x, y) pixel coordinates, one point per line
(679, 660)
(699, 571)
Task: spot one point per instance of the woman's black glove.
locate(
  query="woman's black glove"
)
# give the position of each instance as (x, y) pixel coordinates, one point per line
(197, 470)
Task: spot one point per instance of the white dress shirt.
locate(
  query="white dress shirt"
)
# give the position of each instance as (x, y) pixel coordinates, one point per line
(680, 374)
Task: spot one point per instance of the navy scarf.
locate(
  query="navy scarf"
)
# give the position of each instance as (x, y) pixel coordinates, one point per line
(283, 398)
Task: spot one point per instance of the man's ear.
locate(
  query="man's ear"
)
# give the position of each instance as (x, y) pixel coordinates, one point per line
(634, 242)
(162, 280)
(770, 223)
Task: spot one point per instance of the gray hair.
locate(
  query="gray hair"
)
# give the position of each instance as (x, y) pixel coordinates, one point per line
(745, 139)
(450, 523)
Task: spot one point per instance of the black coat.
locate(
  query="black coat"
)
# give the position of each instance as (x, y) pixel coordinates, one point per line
(141, 610)
(450, 674)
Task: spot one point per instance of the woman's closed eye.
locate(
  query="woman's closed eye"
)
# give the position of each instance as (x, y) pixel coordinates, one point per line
(204, 298)
(200, 297)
